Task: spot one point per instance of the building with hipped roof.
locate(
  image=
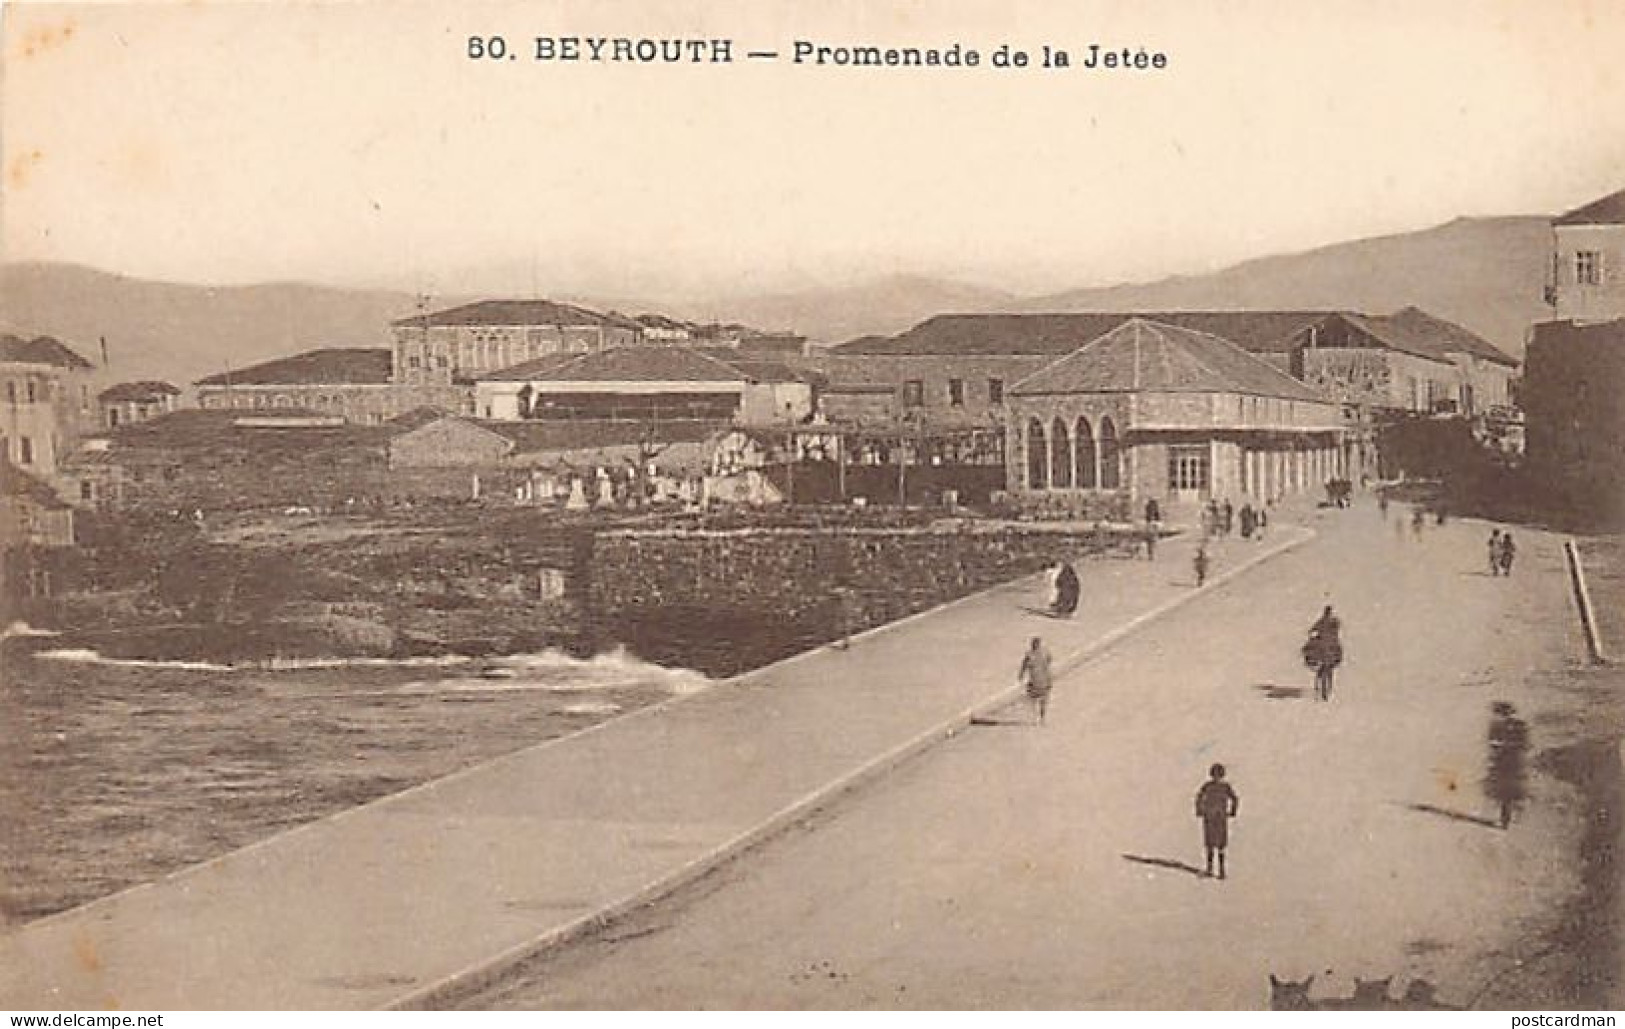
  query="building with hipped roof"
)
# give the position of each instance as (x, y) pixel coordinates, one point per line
(1155, 410)
(354, 383)
(463, 343)
(126, 403)
(1573, 393)
(1587, 277)
(46, 403)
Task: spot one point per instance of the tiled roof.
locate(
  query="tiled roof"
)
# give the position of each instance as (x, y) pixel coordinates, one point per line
(1038, 334)
(15, 482)
(1610, 210)
(332, 366)
(149, 389)
(660, 321)
(538, 435)
(637, 364)
(518, 312)
(1143, 356)
(39, 350)
(756, 368)
(1420, 329)
(527, 370)
(416, 418)
(219, 430)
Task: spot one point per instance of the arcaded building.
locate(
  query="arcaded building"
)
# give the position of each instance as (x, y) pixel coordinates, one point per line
(1155, 410)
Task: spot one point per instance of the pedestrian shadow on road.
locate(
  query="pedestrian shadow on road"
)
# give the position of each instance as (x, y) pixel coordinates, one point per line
(1044, 612)
(1178, 866)
(985, 721)
(1275, 691)
(1455, 816)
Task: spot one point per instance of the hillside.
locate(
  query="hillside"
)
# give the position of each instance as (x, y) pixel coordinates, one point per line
(159, 330)
(835, 314)
(1484, 273)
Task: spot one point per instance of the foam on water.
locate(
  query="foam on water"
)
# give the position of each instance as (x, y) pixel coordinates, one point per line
(23, 629)
(87, 656)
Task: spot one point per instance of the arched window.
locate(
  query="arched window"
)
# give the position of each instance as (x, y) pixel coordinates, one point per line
(1037, 456)
(1086, 456)
(1061, 455)
(1111, 476)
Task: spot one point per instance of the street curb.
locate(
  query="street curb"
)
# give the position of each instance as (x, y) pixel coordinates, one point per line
(477, 977)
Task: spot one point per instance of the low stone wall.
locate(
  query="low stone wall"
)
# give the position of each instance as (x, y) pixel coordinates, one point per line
(725, 601)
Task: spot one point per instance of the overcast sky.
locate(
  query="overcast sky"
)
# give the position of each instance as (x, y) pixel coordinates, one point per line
(356, 143)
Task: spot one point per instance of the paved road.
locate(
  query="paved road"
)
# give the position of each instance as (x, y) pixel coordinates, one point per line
(1036, 868)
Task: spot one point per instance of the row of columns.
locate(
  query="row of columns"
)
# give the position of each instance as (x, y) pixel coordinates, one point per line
(1055, 464)
(1271, 473)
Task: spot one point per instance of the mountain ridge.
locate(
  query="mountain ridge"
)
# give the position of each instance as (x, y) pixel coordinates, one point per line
(1486, 274)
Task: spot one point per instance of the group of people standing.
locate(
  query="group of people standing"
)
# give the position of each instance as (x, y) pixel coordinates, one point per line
(1221, 518)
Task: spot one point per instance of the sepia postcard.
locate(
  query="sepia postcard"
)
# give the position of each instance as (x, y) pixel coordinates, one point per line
(753, 505)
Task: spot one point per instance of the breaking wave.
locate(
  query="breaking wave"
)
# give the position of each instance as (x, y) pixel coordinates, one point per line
(86, 656)
(550, 671)
(18, 630)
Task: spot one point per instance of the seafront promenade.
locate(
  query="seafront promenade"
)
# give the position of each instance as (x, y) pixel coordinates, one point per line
(417, 898)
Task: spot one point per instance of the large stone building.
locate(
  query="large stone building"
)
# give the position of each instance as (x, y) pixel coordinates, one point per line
(46, 403)
(1573, 393)
(955, 371)
(1151, 409)
(353, 383)
(1588, 261)
(462, 344)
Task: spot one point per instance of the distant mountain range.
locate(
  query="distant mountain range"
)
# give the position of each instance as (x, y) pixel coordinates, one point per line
(1485, 273)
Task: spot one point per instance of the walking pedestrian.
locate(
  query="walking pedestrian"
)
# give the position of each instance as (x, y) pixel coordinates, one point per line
(1216, 804)
(1200, 564)
(1418, 520)
(1153, 513)
(1382, 504)
(1508, 743)
(1263, 523)
(1035, 677)
(1495, 551)
(1249, 521)
(1227, 517)
(1323, 651)
(1509, 552)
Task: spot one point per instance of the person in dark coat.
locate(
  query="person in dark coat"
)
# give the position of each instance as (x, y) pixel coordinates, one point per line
(1508, 745)
(1495, 551)
(1216, 804)
(1227, 517)
(1249, 521)
(1036, 677)
(1067, 590)
(1323, 651)
(1509, 551)
(1200, 564)
(1153, 513)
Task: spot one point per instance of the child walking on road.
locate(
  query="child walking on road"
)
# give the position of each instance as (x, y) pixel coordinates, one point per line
(1216, 804)
(1036, 677)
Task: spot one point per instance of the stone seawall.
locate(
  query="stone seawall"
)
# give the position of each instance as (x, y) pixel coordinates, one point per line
(726, 601)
